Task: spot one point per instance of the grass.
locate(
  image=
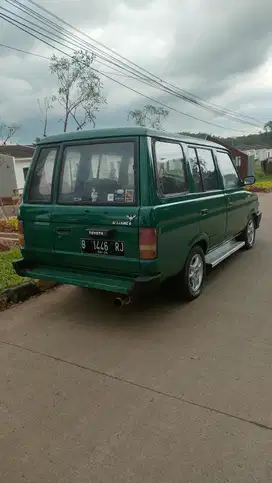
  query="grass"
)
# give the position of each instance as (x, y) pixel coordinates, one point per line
(263, 181)
(263, 177)
(260, 176)
(8, 278)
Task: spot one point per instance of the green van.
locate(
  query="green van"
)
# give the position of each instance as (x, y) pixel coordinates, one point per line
(126, 209)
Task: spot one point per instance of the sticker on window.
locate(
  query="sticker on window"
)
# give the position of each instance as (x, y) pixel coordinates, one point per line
(110, 197)
(129, 196)
(119, 196)
(94, 195)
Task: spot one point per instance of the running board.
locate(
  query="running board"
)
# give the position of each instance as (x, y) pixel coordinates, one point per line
(222, 252)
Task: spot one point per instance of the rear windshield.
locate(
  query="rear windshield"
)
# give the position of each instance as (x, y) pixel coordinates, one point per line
(98, 173)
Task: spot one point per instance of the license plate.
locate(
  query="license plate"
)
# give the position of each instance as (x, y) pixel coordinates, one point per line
(103, 247)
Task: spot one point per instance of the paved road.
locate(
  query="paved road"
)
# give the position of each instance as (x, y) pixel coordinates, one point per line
(164, 393)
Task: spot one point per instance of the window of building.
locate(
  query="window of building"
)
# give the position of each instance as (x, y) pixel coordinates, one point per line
(228, 171)
(41, 182)
(171, 169)
(238, 161)
(25, 171)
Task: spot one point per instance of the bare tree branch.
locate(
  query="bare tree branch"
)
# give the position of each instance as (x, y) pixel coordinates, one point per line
(7, 131)
(149, 116)
(80, 88)
(44, 109)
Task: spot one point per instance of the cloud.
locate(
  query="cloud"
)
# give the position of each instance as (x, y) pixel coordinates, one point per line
(221, 54)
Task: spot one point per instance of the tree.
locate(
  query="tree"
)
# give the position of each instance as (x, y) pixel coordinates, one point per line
(7, 131)
(44, 107)
(80, 88)
(268, 126)
(149, 116)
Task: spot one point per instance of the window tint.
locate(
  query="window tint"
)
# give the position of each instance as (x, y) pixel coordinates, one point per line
(195, 169)
(208, 170)
(170, 168)
(98, 173)
(229, 174)
(41, 182)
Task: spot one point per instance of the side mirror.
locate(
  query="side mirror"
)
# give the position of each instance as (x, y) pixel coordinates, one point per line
(249, 180)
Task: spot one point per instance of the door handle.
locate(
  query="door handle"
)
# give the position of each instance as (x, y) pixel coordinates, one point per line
(204, 212)
(63, 230)
(230, 203)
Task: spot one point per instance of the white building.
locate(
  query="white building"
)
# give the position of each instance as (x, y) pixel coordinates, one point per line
(14, 164)
(259, 153)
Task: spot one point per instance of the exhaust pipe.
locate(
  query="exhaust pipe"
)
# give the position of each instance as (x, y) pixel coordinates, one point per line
(121, 301)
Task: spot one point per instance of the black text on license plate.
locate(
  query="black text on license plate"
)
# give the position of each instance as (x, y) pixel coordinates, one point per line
(103, 247)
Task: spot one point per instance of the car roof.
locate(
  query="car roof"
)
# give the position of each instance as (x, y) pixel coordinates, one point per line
(124, 132)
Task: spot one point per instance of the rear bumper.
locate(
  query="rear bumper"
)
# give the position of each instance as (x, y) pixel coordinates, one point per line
(258, 219)
(94, 280)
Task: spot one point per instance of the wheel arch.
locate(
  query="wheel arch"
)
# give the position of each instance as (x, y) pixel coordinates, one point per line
(255, 218)
(202, 240)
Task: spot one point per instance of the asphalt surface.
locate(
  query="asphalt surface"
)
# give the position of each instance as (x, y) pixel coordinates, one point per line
(163, 393)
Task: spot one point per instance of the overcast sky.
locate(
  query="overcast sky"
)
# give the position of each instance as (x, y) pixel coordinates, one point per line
(219, 50)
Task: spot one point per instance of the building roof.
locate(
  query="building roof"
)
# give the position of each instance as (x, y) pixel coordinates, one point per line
(248, 147)
(121, 132)
(226, 145)
(17, 150)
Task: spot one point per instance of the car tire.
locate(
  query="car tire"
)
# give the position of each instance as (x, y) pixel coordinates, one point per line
(249, 234)
(192, 276)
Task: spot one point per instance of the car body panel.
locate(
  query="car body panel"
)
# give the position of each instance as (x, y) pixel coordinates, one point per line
(54, 231)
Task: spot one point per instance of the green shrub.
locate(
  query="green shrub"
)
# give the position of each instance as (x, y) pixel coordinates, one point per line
(8, 278)
(9, 225)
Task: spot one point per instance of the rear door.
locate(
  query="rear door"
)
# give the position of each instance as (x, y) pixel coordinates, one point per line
(36, 210)
(96, 211)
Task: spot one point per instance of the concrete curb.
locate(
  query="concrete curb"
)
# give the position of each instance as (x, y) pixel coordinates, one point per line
(26, 290)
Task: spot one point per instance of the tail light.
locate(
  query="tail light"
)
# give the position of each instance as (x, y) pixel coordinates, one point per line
(148, 243)
(21, 233)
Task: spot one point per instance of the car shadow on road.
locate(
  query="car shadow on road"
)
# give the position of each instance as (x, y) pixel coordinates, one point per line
(97, 308)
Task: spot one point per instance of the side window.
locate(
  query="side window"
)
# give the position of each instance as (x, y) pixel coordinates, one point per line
(208, 170)
(228, 171)
(195, 169)
(41, 182)
(171, 168)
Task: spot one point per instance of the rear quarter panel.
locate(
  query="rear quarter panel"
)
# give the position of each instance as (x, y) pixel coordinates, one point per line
(178, 229)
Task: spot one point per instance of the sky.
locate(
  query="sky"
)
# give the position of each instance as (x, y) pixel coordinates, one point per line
(220, 51)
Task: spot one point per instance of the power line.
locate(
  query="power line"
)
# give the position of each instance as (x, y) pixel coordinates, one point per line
(192, 98)
(147, 80)
(116, 72)
(24, 51)
(27, 52)
(98, 52)
(29, 31)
